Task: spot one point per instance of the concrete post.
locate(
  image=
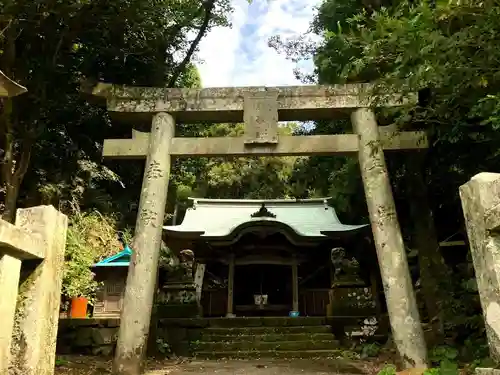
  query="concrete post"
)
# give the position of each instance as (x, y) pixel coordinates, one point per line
(10, 269)
(401, 301)
(37, 316)
(141, 279)
(481, 205)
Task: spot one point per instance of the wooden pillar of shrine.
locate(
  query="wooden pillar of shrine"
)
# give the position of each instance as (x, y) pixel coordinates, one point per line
(141, 279)
(295, 286)
(198, 282)
(230, 288)
(400, 296)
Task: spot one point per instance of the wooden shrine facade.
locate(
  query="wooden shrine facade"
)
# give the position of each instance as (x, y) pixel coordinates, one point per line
(270, 257)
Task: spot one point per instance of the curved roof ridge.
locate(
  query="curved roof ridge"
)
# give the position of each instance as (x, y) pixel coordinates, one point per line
(219, 218)
(259, 201)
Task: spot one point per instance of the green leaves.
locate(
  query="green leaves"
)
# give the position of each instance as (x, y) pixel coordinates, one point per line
(91, 237)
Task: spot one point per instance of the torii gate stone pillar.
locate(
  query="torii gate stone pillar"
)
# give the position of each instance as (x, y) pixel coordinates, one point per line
(141, 278)
(401, 302)
(481, 205)
(260, 108)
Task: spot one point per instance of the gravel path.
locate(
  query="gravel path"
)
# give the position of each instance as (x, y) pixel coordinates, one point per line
(268, 366)
(261, 367)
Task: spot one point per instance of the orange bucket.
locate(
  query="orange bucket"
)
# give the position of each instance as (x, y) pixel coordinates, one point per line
(79, 308)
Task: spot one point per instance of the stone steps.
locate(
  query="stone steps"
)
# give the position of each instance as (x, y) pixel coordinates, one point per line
(238, 345)
(242, 338)
(248, 322)
(281, 354)
(237, 331)
(266, 337)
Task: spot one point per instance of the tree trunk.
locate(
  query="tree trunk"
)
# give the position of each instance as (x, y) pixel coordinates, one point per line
(431, 263)
(13, 173)
(11, 194)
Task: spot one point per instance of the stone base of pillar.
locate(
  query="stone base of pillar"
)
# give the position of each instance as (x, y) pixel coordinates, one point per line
(230, 315)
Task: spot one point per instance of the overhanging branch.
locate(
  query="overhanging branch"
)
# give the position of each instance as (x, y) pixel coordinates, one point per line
(209, 6)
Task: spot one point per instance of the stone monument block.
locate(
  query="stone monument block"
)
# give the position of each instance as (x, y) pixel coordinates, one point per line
(260, 115)
(37, 316)
(481, 205)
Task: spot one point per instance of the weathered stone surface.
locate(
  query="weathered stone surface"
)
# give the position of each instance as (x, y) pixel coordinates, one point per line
(236, 344)
(142, 274)
(487, 371)
(104, 336)
(400, 297)
(10, 269)
(480, 201)
(281, 354)
(178, 310)
(340, 144)
(88, 336)
(19, 242)
(37, 316)
(83, 338)
(223, 104)
(260, 114)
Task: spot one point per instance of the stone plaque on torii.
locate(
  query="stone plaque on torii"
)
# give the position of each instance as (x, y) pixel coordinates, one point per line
(260, 108)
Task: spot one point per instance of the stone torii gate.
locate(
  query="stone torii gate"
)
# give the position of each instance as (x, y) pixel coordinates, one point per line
(260, 108)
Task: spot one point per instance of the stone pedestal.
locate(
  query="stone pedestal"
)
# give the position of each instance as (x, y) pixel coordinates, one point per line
(481, 205)
(178, 292)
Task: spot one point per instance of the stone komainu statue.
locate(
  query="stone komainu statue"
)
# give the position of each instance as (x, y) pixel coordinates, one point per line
(187, 262)
(337, 256)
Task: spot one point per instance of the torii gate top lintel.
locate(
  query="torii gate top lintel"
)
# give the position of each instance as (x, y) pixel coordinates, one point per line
(260, 108)
(226, 104)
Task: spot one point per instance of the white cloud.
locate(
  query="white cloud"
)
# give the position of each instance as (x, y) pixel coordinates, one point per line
(241, 56)
(218, 49)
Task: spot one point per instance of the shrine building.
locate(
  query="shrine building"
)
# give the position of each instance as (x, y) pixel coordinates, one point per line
(275, 258)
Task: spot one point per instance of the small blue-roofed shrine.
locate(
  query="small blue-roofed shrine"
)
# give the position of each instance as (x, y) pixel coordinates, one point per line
(271, 257)
(122, 259)
(112, 275)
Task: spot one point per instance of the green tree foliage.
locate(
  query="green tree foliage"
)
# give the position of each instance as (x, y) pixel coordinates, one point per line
(50, 47)
(91, 237)
(445, 52)
(51, 137)
(254, 177)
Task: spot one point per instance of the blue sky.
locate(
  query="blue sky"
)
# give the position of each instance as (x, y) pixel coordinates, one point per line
(240, 56)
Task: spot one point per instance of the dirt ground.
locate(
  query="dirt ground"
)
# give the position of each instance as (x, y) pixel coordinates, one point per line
(268, 366)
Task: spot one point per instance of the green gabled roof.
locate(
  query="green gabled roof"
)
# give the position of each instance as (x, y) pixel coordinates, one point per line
(220, 218)
(122, 259)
